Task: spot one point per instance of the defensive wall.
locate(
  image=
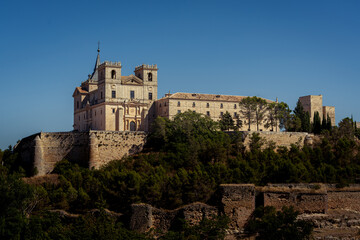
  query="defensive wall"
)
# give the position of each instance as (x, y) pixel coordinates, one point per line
(94, 149)
(320, 203)
(90, 149)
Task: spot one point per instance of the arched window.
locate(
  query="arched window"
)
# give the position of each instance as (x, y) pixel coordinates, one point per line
(150, 77)
(113, 74)
(132, 126)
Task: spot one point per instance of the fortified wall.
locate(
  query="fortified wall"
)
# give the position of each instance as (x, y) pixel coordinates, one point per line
(327, 206)
(94, 149)
(91, 149)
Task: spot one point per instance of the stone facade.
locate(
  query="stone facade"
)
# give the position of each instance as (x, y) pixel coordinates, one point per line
(211, 105)
(112, 102)
(313, 103)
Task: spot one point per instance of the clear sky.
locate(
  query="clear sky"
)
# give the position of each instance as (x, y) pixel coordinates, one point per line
(269, 49)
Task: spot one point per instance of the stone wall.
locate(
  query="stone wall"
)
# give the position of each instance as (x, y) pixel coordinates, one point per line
(145, 217)
(281, 139)
(347, 198)
(91, 149)
(305, 198)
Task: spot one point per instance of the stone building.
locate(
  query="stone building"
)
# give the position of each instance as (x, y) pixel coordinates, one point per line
(211, 105)
(313, 103)
(109, 101)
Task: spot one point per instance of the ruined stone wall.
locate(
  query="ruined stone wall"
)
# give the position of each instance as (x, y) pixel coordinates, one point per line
(145, 217)
(283, 139)
(347, 198)
(90, 149)
(305, 198)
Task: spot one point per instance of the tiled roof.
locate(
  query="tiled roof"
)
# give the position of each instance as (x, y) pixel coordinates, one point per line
(208, 97)
(81, 90)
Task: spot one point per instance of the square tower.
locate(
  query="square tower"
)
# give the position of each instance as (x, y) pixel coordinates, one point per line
(312, 104)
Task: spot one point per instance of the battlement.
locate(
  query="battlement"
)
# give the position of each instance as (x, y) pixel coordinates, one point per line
(146, 66)
(112, 64)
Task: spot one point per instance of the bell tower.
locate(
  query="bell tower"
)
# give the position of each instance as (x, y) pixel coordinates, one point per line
(148, 73)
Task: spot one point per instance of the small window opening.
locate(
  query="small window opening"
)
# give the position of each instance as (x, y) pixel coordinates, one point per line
(150, 77)
(208, 113)
(113, 94)
(221, 105)
(193, 104)
(113, 74)
(235, 106)
(132, 94)
(178, 104)
(150, 96)
(207, 105)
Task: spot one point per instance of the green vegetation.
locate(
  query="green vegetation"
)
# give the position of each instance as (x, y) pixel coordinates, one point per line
(184, 161)
(271, 224)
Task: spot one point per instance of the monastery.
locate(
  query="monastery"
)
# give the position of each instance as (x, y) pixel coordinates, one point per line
(109, 101)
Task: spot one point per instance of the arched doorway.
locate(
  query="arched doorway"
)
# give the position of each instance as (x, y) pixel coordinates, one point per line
(132, 126)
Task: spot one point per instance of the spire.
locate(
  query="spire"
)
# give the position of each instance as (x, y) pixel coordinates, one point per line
(94, 75)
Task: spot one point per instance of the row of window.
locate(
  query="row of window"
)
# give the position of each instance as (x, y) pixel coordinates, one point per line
(207, 105)
(132, 95)
(208, 113)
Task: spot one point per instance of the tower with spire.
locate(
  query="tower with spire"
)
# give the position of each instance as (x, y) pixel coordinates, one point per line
(106, 100)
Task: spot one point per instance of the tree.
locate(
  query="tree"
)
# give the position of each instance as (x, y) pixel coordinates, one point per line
(253, 109)
(278, 115)
(271, 224)
(303, 116)
(316, 126)
(226, 122)
(247, 108)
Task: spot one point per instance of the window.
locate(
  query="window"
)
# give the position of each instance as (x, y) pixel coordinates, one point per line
(178, 104)
(207, 113)
(179, 111)
(150, 96)
(207, 105)
(221, 105)
(113, 74)
(113, 110)
(150, 77)
(132, 94)
(235, 114)
(193, 104)
(235, 106)
(221, 114)
(113, 94)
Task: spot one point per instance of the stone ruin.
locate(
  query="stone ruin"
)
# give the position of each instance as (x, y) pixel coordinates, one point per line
(332, 210)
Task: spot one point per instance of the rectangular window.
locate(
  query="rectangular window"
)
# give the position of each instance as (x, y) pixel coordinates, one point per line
(221, 114)
(235, 114)
(193, 104)
(235, 106)
(208, 113)
(221, 105)
(150, 96)
(179, 104)
(132, 94)
(207, 105)
(113, 94)
(113, 110)
(179, 111)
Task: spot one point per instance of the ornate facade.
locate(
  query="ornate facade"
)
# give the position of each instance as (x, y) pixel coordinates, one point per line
(109, 101)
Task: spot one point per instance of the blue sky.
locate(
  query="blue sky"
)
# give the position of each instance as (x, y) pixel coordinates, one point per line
(270, 49)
